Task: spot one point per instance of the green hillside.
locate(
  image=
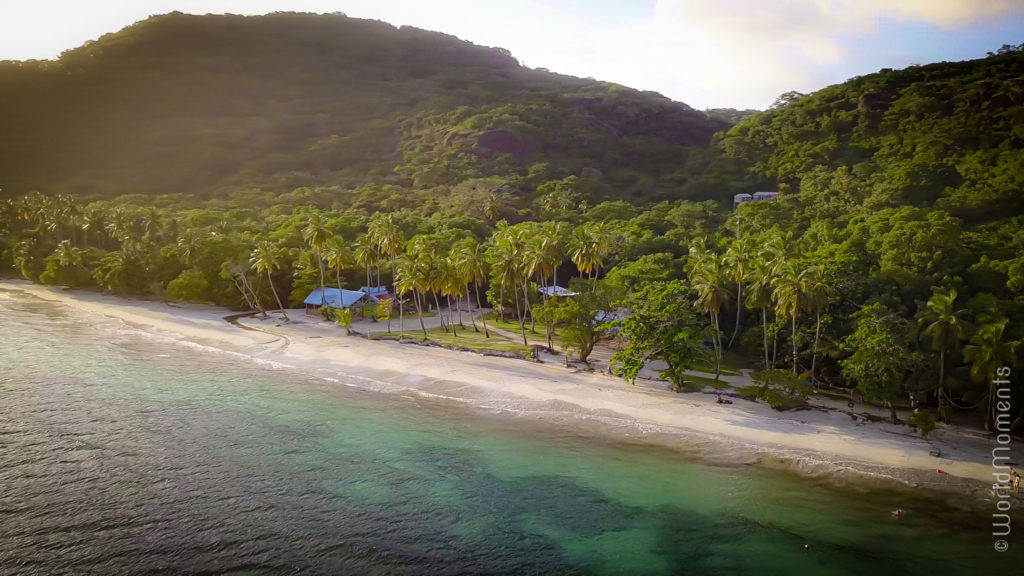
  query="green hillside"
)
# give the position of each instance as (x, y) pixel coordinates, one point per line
(203, 104)
(949, 134)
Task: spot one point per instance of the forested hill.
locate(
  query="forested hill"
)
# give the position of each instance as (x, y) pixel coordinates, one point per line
(203, 104)
(948, 135)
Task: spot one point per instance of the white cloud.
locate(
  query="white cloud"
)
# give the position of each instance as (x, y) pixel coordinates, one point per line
(744, 53)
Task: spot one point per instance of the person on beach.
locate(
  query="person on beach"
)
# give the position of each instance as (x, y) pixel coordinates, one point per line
(1016, 481)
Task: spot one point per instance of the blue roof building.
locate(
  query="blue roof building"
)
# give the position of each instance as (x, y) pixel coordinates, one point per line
(549, 291)
(376, 291)
(336, 298)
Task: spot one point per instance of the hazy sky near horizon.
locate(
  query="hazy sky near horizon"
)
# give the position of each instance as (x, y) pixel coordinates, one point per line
(707, 53)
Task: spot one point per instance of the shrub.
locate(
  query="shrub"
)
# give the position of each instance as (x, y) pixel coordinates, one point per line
(189, 285)
(781, 389)
(344, 319)
(923, 422)
(750, 393)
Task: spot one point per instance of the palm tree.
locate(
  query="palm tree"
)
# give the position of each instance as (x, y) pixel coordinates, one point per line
(238, 276)
(696, 255)
(947, 326)
(589, 245)
(387, 237)
(788, 293)
(266, 258)
(338, 257)
(553, 238)
(583, 250)
(411, 278)
(986, 353)
(433, 269)
(316, 234)
(150, 223)
(451, 284)
(68, 256)
(737, 262)
(706, 279)
(94, 222)
(818, 288)
(506, 259)
(187, 246)
(472, 259)
(365, 255)
(761, 278)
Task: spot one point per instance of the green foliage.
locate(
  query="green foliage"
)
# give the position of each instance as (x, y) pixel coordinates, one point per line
(923, 422)
(189, 285)
(315, 104)
(579, 318)
(881, 354)
(383, 311)
(662, 325)
(343, 317)
(943, 133)
(780, 389)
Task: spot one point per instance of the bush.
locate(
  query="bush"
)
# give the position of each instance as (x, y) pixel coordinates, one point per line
(923, 422)
(189, 285)
(781, 389)
(344, 319)
(751, 393)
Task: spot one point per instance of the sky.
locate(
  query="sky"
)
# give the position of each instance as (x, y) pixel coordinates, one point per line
(706, 53)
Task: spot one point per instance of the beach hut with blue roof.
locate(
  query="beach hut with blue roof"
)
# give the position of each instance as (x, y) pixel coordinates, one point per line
(339, 298)
(378, 292)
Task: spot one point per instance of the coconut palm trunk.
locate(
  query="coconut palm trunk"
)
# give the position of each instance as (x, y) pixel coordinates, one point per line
(528, 308)
(764, 327)
(439, 314)
(796, 368)
(323, 288)
(739, 310)
(716, 342)
(451, 321)
(276, 297)
(817, 338)
(469, 304)
(522, 321)
(483, 320)
(419, 312)
(942, 378)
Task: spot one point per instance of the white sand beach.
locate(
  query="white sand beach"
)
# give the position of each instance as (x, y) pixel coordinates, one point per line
(817, 442)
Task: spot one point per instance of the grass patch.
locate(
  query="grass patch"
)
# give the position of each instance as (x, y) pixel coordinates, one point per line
(709, 382)
(414, 315)
(832, 395)
(512, 325)
(731, 364)
(467, 339)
